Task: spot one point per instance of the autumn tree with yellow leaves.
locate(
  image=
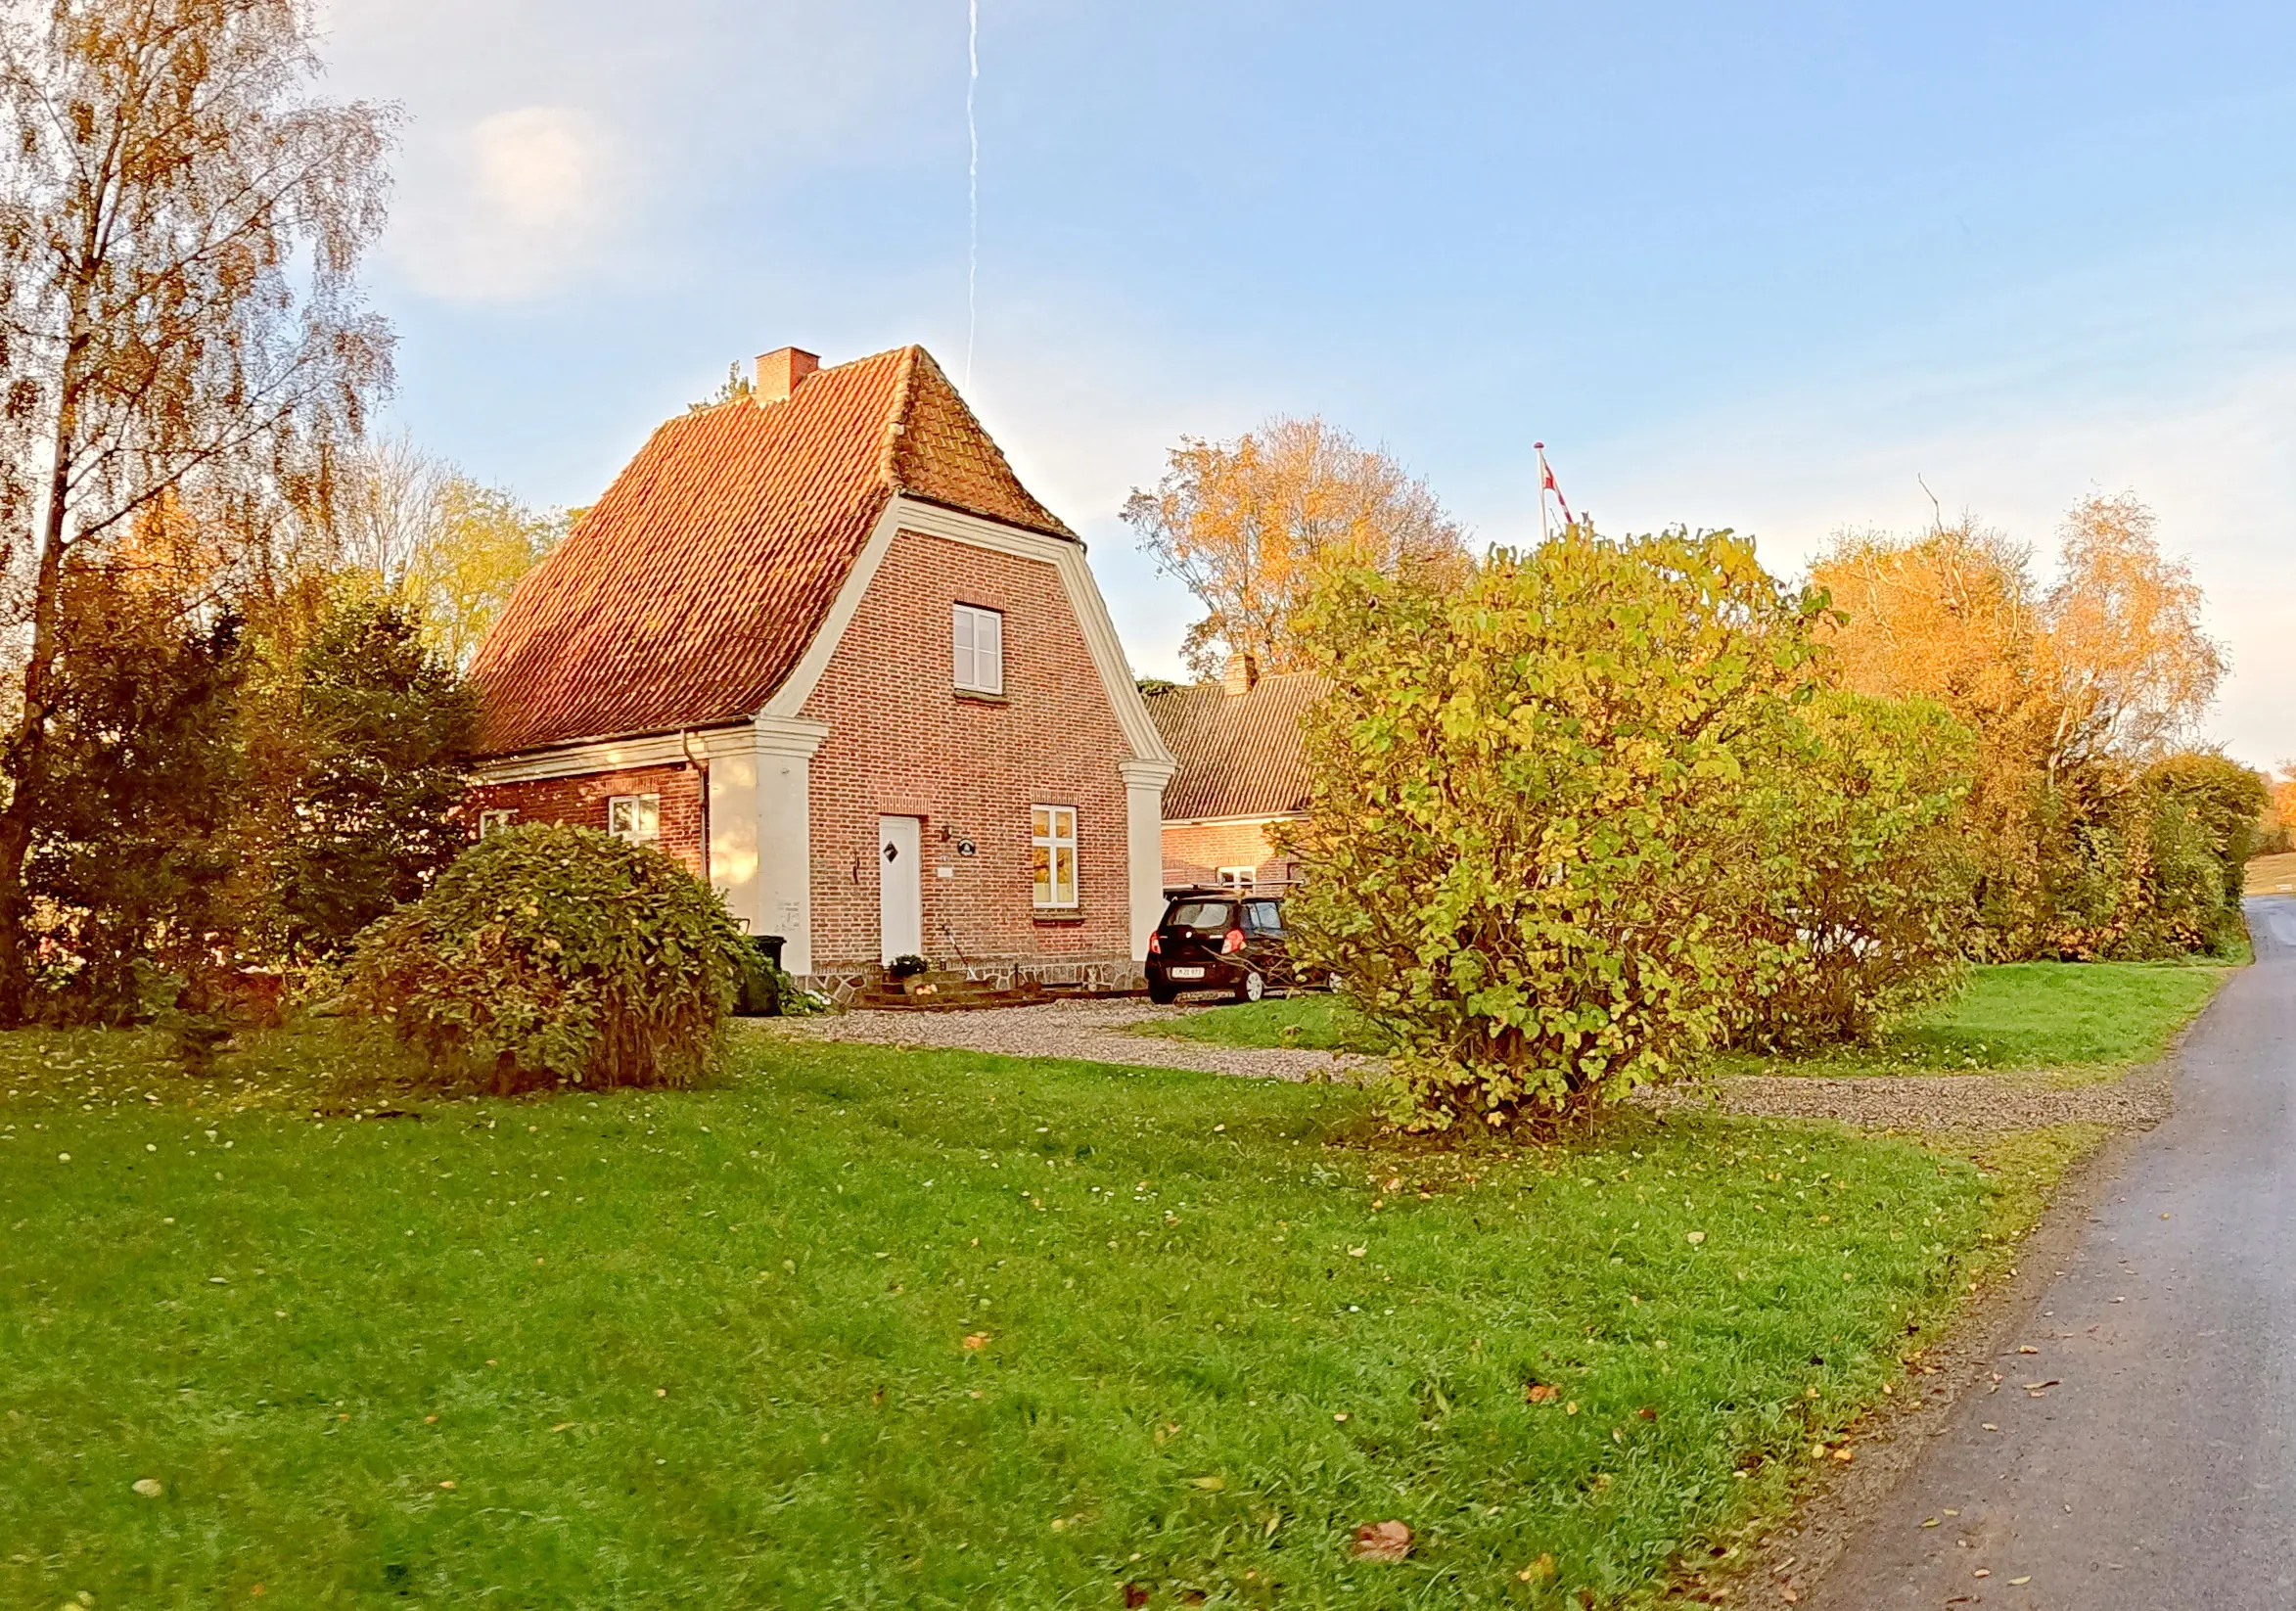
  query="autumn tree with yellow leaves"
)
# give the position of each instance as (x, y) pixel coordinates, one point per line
(434, 543)
(2079, 695)
(1245, 524)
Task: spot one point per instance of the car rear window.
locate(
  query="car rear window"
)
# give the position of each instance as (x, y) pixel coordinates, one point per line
(1201, 916)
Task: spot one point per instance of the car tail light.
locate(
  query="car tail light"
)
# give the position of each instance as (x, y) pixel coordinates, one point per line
(1233, 942)
(1156, 944)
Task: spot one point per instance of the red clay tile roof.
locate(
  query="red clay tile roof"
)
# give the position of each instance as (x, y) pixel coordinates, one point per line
(691, 590)
(1240, 755)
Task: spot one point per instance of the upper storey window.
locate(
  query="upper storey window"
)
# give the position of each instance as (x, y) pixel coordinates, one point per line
(979, 636)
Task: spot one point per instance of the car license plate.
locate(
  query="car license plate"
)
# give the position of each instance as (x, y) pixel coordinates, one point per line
(1185, 973)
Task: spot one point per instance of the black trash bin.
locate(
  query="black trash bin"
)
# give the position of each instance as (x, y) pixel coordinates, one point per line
(761, 990)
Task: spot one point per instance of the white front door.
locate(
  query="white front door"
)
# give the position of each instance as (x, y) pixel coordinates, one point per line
(900, 888)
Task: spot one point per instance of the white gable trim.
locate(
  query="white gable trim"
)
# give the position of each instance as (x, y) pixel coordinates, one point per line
(789, 699)
(1067, 557)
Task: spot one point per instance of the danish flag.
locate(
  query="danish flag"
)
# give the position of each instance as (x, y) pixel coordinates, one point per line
(1546, 484)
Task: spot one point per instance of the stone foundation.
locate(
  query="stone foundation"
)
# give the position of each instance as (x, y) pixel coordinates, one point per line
(1069, 976)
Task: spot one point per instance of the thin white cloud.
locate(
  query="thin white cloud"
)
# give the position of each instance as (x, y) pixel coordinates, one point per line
(517, 205)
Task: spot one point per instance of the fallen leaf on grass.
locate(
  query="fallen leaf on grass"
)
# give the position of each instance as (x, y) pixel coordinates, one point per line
(149, 1486)
(977, 1339)
(1381, 1541)
(1210, 1485)
(1134, 1596)
(1696, 1237)
(1538, 1570)
(1539, 1393)
(1845, 1453)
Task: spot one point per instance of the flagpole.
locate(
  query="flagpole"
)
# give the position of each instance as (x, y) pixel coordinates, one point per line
(1540, 449)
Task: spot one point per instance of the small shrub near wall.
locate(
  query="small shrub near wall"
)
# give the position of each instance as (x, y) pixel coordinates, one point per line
(553, 955)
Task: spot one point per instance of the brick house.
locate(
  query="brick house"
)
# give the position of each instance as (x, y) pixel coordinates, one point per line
(820, 645)
(1242, 771)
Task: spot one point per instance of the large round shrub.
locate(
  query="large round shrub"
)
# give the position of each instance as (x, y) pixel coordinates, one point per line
(554, 955)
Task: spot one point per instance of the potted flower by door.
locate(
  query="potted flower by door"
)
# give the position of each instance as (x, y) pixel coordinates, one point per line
(908, 972)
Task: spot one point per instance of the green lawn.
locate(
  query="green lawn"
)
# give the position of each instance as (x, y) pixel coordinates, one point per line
(878, 1328)
(2090, 1019)
(1317, 1021)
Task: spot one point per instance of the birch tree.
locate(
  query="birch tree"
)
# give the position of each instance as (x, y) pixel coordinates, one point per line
(181, 225)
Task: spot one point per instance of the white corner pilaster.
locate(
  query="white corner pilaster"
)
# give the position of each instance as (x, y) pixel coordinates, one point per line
(762, 829)
(1144, 782)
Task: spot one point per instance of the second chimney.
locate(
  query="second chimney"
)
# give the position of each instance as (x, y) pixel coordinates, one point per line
(1243, 670)
(779, 372)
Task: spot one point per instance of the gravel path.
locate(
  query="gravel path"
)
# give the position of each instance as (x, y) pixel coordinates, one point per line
(1100, 1031)
(1097, 1032)
(1933, 1102)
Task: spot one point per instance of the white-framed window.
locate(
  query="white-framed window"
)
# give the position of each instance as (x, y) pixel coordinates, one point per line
(495, 821)
(978, 638)
(634, 819)
(1239, 878)
(1052, 844)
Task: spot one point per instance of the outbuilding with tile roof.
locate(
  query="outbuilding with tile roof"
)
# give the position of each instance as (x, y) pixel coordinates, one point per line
(1243, 771)
(822, 645)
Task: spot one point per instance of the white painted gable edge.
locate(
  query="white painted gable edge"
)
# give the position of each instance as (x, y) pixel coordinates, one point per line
(932, 519)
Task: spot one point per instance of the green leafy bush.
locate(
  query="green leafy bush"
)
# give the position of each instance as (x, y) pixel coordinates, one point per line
(2148, 864)
(1872, 912)
(1541, 849)
(556, 955)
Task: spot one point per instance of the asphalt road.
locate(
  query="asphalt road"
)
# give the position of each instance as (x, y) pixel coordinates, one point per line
(2157, 1471)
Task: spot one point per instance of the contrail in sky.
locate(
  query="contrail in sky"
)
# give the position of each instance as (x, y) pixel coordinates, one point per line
(973, 191)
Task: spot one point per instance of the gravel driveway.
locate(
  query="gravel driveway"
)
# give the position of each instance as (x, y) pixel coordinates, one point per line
(1100, 1031)
(1095, 1030)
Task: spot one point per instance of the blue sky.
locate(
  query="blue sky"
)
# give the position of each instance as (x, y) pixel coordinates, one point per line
(1750, 266)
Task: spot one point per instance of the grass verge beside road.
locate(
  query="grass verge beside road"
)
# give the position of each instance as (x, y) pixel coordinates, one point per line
(878, 1327)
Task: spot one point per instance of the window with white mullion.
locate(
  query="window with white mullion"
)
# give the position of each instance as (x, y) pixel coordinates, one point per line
(1052, 843)
(634, 819)
(976, 636)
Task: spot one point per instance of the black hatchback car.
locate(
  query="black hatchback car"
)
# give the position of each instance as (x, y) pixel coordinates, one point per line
(1220, 939)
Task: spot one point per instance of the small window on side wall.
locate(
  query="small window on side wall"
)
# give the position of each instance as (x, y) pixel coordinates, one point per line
(1238, 878)
(634, 819)
(495, 821)
(1052, 843)
(978, 635)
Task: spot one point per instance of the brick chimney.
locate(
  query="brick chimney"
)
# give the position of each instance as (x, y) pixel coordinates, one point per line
(779, 372)
(1243, 673)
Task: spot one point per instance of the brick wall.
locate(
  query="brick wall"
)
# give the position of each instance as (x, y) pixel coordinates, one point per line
(1195, 852)
(903, 741)
(581, 800)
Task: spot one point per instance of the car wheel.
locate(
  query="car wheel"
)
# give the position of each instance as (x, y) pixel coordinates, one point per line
(1252, 987)
(1163, 996)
